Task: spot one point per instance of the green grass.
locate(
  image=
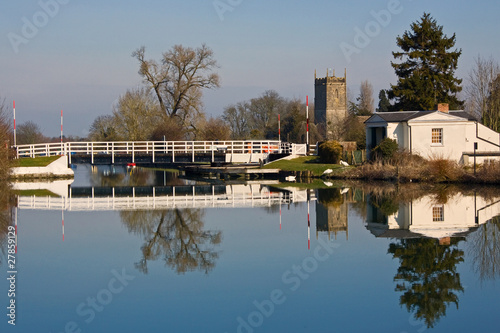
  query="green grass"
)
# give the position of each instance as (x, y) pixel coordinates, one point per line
(35, 162)
(36, 193)
(310, 163)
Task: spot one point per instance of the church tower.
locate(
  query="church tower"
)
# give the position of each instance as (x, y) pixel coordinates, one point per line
(330, 104)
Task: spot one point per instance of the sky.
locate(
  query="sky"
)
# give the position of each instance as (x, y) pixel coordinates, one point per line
(75, 55)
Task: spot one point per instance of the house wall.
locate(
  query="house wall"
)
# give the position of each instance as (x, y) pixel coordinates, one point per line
(458, 138)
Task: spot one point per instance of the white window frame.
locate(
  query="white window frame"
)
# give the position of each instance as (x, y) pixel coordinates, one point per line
(441, 142)
(438, 213)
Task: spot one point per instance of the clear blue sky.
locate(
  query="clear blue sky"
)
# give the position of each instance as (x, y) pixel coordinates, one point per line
(79, 59)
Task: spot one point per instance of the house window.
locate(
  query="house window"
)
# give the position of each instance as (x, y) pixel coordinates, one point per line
(437, 136)
(438, 214)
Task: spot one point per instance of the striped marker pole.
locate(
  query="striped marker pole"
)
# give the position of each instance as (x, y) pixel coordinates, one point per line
(280, 211)
(62, 153)
(62, 214)
(61, 126)
(279, 127)
(14, 123)
(307, 124)
(308, 225)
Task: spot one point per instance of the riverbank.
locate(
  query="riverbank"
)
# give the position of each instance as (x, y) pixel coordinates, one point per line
(406, 169)
(42, 168)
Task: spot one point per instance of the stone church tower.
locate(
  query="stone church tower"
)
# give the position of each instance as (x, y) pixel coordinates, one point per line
(330, 104)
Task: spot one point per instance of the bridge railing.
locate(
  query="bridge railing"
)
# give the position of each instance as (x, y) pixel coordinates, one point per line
(150, 148)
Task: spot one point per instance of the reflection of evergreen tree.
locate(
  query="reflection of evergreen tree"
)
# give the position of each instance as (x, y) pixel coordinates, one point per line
(427, 276)
(177, 236)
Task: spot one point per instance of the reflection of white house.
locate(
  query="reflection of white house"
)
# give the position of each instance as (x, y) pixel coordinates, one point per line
(439, 134)
(425, 217)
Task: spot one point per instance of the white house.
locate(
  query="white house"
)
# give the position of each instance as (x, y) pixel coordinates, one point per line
(454, 135)
(425, 217)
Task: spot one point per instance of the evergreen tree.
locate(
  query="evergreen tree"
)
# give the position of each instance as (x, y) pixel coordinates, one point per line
(426, 73)
(427, 276)
(383, 102)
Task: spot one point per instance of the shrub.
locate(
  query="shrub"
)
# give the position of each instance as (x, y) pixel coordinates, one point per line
(386, 149)
(330, 152)
(443, 170)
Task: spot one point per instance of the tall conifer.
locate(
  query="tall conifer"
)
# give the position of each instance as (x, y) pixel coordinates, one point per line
(426, 73)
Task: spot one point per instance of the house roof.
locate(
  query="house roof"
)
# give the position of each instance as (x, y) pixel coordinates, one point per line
(402, 116)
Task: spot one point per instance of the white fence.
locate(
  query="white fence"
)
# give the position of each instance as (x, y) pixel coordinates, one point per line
(235, 151)
(234, 198)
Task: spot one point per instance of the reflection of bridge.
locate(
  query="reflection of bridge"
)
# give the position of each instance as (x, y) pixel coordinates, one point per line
(168, 197)
(147, 152)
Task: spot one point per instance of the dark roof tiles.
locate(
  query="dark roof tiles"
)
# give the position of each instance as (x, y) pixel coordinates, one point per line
(402, 116)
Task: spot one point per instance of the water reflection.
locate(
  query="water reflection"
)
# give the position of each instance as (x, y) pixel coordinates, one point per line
(484, 250)
(116, 176)
(421, 230)
(176, 236)
(427, 276)
(6, 215)
(331, 211)
(427, 228)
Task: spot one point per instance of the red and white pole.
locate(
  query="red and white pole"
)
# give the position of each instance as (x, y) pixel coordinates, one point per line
(62, 216)
(62, 150)
(307, 123)
(61, 126)
(14, 123)
(279, 127)
(308, 225)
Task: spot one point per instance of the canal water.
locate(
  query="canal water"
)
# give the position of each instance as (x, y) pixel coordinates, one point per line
(130, 250)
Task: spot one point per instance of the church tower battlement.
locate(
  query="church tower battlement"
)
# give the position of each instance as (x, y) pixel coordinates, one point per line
(330, 104)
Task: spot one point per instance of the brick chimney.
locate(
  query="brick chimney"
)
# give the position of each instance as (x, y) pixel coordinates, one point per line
(444, 107)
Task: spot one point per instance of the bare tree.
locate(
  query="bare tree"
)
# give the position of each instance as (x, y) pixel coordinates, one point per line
(216, 129)
(136, 115)
(29, 133)
(479, 82)
(178, 80)
(484, 248)
(176, 236)
(103, 129)
(264, 112)
(5, 135)
(365, 100)
(491, 117)
(237, 117)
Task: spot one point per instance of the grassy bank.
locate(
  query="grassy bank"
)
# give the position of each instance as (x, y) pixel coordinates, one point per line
(35, 162)
(404, 168)
(306, 163)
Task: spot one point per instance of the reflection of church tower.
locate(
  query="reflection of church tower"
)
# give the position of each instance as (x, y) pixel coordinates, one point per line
(332, 218)
(330, 104)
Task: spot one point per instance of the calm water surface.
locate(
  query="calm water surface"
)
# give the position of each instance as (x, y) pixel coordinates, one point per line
(247, 258)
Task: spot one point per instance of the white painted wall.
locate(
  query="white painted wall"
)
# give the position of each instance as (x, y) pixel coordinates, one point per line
(459, 215)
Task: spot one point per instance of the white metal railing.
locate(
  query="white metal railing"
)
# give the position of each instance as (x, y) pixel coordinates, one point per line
(150, 148)
(112, 202)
